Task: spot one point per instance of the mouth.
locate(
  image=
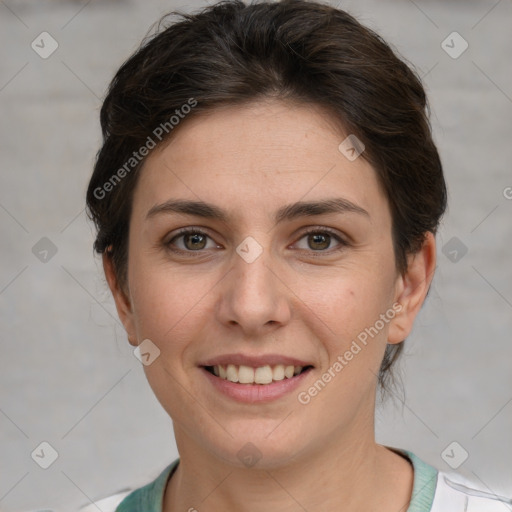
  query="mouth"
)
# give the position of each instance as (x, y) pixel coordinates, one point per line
(260, 375)
(253, 379)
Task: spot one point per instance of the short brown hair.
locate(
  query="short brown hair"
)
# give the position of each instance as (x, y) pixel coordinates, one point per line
(231, 53)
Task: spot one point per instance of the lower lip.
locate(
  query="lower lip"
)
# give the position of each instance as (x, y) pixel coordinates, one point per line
(255, 393)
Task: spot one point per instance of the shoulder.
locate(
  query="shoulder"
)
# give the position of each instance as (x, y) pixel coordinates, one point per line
(148, 498)
(455, 493)
(439, 491)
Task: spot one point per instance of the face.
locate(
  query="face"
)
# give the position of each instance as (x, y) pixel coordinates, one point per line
(261, 266)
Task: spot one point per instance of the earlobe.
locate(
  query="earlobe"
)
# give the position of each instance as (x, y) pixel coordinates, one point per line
(122, 301)
(412, 289)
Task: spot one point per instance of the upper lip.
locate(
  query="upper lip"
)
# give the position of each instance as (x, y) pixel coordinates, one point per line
(254, 361)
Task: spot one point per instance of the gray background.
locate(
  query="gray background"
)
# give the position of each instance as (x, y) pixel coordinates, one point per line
(68, 375)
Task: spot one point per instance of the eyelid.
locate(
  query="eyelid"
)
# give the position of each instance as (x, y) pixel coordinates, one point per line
(342, 241)
(186, 231)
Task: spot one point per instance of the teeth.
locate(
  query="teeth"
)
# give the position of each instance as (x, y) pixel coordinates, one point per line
(278, 372)
(261, 375)
(232, 373)
(245, 375)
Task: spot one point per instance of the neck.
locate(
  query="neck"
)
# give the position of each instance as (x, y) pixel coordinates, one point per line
(358, 474)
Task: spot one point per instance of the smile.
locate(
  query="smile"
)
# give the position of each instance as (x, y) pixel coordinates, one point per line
(262, 375)
(255, 378)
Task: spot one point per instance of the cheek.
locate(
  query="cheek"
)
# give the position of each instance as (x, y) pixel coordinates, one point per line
(356, 336)
(347, 303)
(169, 310)
(165, 305)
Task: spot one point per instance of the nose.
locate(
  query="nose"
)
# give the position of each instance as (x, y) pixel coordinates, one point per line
(253, 298)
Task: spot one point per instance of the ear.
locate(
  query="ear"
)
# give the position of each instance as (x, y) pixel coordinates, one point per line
(123, 304)
(412, 288)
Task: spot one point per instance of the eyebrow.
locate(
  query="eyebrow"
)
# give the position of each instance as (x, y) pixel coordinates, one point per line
(288, 212)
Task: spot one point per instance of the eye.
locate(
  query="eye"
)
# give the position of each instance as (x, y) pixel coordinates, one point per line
(320, 240)
(190, 240)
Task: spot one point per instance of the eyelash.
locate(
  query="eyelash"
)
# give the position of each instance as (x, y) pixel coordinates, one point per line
(324, 231)
(316, 230)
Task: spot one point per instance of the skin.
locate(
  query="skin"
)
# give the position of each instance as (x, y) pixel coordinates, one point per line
(295, 300)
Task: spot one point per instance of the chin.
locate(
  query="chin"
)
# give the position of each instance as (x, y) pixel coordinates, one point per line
(252, 447)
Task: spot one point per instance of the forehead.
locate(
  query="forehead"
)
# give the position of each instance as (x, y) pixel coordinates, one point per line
(257, 155)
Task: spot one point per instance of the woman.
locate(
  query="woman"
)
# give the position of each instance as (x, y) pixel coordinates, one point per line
(266, 199)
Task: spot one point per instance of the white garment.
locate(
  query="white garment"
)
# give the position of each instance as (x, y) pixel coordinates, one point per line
(453, 494)
(457, 494)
